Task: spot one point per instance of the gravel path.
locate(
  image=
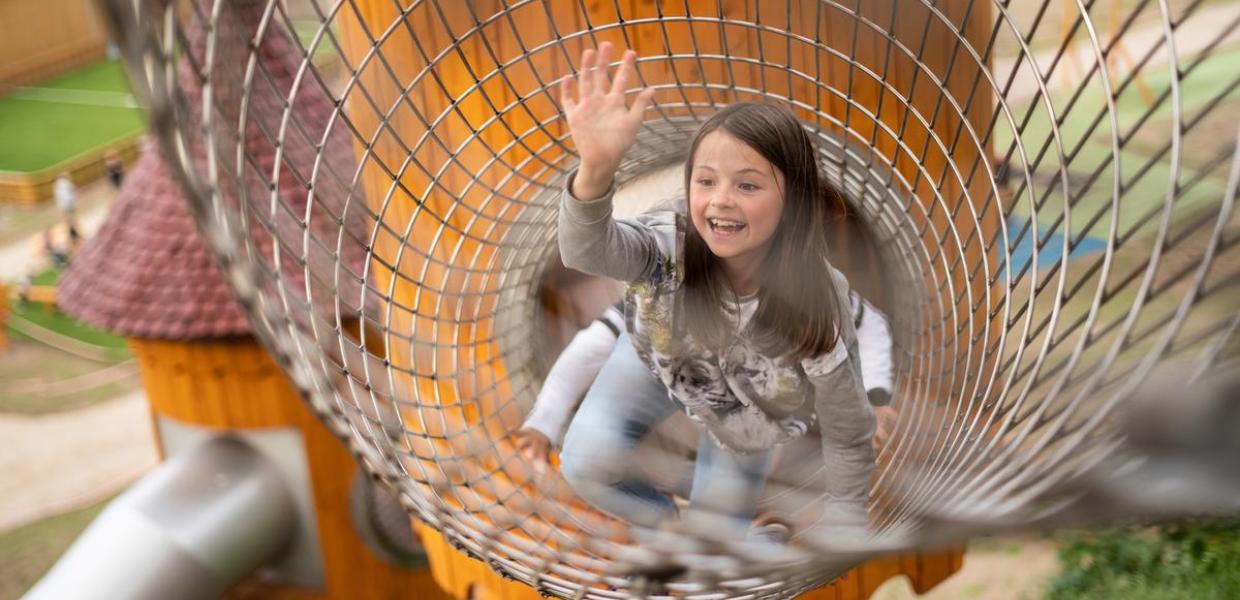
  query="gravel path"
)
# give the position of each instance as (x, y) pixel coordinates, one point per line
(1012, 568)
(55, 463)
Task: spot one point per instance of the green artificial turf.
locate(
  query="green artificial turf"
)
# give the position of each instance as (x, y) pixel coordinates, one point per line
(56, 120)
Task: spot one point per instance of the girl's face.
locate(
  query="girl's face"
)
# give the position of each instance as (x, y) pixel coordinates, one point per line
(736, 200)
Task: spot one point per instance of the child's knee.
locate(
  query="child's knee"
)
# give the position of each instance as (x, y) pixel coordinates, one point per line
(593, 459)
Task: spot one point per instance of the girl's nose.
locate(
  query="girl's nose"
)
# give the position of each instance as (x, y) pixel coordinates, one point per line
(721, 198)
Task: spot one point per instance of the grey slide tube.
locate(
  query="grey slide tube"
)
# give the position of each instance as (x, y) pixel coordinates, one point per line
(188, 530)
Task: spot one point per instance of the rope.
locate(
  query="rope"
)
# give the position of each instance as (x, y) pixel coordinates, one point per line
(65, 343)
(73, 385)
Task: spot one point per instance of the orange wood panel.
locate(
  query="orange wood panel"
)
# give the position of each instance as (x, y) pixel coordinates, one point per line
(935, 567)
(234, 384)
(40, 38)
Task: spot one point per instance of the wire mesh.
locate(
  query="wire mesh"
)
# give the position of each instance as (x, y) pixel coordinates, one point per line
(1047, 187)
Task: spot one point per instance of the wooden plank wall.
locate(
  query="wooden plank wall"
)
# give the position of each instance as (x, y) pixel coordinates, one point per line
(39, 38)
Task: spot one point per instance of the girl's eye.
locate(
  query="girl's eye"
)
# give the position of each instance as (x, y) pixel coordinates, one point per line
(749, 187)
(704, 182)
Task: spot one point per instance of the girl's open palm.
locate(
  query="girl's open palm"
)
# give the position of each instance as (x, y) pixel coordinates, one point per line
(603, 128)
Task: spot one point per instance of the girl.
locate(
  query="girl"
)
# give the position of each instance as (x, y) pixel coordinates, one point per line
(731, 311)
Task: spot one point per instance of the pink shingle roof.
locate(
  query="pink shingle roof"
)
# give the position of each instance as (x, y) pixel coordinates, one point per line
(147, 274)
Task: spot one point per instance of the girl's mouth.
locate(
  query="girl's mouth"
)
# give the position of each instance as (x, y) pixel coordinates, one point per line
(725, 228)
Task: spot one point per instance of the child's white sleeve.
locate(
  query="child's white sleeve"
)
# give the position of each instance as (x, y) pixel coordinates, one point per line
(571, 376)
(873, 345)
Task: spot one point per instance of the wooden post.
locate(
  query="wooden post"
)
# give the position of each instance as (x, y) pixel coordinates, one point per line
(235, 385)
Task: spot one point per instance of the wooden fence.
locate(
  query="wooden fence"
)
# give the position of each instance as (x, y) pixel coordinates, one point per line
(39, 38)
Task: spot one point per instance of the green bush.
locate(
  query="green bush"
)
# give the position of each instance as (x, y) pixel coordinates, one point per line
(1197, 560)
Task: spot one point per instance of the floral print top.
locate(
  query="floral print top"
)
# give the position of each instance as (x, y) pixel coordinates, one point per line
(746, 400)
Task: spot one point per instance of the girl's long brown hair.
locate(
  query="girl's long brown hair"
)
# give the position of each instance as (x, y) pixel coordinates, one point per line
(797, 303)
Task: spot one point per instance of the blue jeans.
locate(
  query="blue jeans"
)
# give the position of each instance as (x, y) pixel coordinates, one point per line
(625, 404)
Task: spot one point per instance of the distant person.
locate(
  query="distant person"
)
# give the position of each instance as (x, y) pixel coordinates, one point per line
(65, 194)
(58, 255)
(23, 290)
(75, 238)
(115, 169)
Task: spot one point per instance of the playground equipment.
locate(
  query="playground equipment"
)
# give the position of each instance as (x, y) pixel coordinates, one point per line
(148, 276)
(1048, 247)
(193, 539)
(229, 425)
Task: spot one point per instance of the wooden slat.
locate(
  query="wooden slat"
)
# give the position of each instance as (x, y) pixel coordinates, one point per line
(39, 38)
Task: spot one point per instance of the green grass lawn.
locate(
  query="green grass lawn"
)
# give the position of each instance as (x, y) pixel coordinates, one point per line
(103, 76)
(68, 326)
(27, 362)
(64, 324)
(26, 553)
(48, 277)
(30, 361)
(1144, 189)
(44, 126)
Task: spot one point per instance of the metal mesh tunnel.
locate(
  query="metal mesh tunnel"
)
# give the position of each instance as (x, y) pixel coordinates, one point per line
(1042, 199)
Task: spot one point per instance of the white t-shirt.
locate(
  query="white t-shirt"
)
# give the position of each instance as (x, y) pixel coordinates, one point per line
(572, 374)
(65, 193)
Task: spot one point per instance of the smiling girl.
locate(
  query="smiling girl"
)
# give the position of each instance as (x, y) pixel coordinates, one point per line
(732, 311)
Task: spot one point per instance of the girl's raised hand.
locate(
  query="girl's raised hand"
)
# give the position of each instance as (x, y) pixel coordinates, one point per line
(602, 126)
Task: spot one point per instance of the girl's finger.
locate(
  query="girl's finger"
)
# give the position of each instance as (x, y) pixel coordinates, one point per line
(639, 105)
(600, 68)
(584, 83)
(566, 92)
(622, 74)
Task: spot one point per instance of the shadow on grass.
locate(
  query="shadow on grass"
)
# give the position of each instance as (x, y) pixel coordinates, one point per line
(26, 553)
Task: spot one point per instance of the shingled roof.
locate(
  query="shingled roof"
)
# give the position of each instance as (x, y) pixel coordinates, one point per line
(148, 274)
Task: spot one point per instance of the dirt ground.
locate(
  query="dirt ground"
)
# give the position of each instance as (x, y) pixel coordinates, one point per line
(1007, 568)
(58, 462)
(36, 379)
